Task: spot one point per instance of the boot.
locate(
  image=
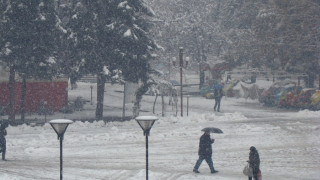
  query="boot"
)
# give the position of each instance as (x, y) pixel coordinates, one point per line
(196, 171)
(214, 171)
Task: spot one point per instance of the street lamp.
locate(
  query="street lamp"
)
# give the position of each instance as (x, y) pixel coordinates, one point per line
(146, 123)
(60, 127)
(181, 65)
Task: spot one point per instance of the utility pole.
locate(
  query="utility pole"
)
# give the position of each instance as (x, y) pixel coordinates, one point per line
(181, 86)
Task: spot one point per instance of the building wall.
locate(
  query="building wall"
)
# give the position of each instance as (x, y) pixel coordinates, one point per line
(54, 93)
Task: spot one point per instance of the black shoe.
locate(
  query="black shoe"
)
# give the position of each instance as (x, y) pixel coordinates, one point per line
(214, 171)
(196, 171)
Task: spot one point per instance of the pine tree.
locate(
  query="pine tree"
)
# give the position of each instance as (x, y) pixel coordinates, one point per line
(113, 38)
(27, 35)
(68, 56)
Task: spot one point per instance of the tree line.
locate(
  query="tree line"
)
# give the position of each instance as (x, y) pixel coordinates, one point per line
(274, 34)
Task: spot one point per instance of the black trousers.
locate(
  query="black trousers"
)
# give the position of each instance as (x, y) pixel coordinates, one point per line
(3, 147)
(255, 175)
(217, 104)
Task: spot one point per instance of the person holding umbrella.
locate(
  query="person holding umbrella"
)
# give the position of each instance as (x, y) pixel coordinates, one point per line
(205, 150)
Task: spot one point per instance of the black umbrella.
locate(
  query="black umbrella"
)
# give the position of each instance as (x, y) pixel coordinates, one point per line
(212, 130)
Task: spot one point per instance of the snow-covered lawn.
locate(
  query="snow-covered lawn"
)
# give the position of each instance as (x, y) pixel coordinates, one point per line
(287, 140)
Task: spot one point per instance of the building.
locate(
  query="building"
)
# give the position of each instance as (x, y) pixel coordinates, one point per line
(51, 95)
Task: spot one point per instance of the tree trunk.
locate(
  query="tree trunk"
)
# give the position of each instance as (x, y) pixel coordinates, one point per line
(154, 104)
(101, 80)
(12, 97)
(162, 104)
(23, 98)
(141, 91)
(73, 82)
(201, 77)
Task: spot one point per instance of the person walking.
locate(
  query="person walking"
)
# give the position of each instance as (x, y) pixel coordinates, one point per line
(218, 93)
(254, 162)
(3, 133)
(205, 152)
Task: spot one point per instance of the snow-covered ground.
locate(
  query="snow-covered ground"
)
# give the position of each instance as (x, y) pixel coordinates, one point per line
(288, 143)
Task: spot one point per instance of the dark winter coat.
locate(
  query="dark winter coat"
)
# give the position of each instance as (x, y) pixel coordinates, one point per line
(218, 93)
(254, 160)
(205, 145)
(3, 133)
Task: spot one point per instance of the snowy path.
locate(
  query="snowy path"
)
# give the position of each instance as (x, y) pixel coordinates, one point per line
(288, 143)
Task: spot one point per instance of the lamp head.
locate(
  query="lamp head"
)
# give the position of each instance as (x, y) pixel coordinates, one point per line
(187, 60)
(174, 60)
(146, 123)
(60, 126)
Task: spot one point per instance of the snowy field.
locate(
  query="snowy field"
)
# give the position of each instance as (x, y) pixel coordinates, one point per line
(288, 143)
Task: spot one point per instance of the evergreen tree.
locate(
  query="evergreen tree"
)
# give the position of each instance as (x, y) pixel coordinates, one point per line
(113, 38)
(27, 35)
(68, 56)
(136, 47)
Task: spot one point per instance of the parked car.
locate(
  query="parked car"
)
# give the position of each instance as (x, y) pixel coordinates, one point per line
(303, 100)
(315, 100)
(288, 97)
(268, 96)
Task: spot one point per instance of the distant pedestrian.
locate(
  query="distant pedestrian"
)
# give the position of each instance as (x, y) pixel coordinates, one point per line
(218, 93)
(3, 133)
(205, 152)
(254, 161)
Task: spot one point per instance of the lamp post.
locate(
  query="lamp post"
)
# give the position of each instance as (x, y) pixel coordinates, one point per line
(60, 127)
(146, 123)
(181, 65)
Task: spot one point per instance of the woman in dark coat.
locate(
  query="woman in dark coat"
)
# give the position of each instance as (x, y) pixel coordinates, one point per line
(254, 161)
(205, 152)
